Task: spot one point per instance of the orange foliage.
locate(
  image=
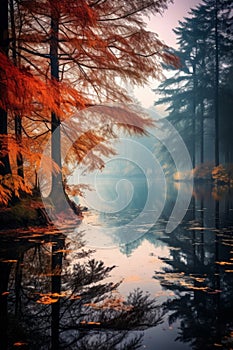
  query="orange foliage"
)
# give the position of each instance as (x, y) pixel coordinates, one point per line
(100, 45)
(11, 185)
(50, 298)
(97, 42)
(27, 93)
(90, 323)
(223, 174)
(5, 293)
(19, 343)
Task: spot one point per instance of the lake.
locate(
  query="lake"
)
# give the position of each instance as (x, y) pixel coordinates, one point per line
(121, 280)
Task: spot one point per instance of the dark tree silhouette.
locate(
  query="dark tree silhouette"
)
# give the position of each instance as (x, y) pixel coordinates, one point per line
(199, 94)
(64, 304)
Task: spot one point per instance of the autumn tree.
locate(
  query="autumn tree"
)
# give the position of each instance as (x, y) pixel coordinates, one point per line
(4, 46)
(82, 52)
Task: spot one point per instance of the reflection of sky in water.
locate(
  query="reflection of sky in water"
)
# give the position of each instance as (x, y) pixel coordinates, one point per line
(190, 269)
(103, 228)
(173, 266)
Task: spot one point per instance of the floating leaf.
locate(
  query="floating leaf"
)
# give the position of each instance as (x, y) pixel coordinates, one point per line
(19, 343)
(75, 297)
(62, 251)
(223, 263)
(46, 300)
(90, 323)
(215, 291)
(5, 293)
(198, 228)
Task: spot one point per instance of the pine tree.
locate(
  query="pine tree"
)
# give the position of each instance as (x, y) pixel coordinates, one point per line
(201, 86)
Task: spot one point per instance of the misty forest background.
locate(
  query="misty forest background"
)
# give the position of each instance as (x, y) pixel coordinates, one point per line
(199, 94)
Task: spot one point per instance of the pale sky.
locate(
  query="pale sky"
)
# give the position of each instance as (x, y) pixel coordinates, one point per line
(163, 25)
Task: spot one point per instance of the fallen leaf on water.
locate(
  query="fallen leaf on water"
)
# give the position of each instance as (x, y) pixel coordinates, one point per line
(190, 286)
(90, 323)
(214, 291)
(62, 251)
(52, 295)
(227, 244)
(199, 228)
(46, 300)
(223, 263)
(74, 297)
(199, 279)
(111, 303)
(5, 293)
(19, 343)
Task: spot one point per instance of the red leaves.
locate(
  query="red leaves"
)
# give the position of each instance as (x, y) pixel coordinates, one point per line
(99, 45)
(27, 93)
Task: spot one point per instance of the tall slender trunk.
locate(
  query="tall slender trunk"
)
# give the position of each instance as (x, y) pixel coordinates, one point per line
(18, 282)
(5, 269)
(18, 134)
(56, 187)
(18, 121)
(4, 43)
(57, 258)
(202, 133)
(194, 117)
(216, 87)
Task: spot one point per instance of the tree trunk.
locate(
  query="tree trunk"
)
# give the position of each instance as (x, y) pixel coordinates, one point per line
(56, 187)
(4, 43)
(5, 269)
(18, 121)
(216, 88)
(18, 134)
(57, 258)
(202, 133)
(194, 117)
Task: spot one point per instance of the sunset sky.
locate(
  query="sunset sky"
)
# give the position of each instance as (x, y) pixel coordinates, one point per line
(163, 26)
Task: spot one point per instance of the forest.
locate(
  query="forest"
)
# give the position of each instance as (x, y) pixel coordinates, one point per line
(198, 94)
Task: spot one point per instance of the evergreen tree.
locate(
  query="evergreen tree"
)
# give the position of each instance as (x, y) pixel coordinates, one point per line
(199, 92)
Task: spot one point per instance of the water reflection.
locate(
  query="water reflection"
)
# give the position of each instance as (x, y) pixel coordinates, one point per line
(199, 271)
(58, 293)
(50, 301)
(115, 222)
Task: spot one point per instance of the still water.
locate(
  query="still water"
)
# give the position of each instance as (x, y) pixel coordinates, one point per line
(98, 286)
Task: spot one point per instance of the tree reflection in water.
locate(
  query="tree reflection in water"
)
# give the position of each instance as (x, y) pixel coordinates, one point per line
(49, 303)
(199, 271)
